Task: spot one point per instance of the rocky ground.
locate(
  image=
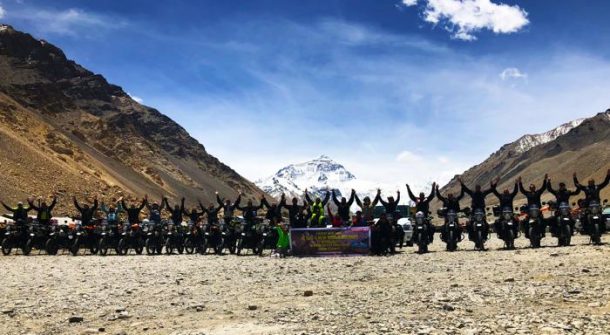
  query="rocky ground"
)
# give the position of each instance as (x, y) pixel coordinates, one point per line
(546, 291)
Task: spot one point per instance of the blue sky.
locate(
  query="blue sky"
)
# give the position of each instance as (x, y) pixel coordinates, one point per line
(411, 90)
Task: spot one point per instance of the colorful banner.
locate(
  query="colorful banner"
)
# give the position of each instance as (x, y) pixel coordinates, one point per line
(330, 241)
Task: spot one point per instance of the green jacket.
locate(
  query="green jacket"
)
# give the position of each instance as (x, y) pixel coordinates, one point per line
(282, 238)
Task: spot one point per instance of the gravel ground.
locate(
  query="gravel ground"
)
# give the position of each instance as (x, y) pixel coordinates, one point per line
(546, 291)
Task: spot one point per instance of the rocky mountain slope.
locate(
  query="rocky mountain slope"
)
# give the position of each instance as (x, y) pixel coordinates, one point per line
(580, 146)
(66, 129)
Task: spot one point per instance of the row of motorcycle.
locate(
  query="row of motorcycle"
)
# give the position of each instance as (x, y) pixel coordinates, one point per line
(562, 225)
(103, 238)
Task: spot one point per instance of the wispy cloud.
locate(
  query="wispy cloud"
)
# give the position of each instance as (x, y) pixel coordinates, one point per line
(512, 73)
(464, 18)
(375, 109)
(71, 21)
(2, 12)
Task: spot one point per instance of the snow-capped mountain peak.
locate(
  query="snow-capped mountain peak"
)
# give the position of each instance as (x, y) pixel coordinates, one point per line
(315, 175)
(527, 142)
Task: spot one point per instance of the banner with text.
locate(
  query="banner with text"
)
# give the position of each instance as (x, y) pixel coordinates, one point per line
(330, 241)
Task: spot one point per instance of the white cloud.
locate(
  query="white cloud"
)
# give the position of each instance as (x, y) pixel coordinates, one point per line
(136, 98)
(464, 18)
(72, 21)
(512, 73)
(408, 157)
(2, 12)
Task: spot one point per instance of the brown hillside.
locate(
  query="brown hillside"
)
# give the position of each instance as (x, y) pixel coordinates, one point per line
(65, 129)
(585, 149)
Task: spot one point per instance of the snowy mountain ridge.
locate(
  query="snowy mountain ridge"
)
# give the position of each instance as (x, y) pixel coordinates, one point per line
(315, 176)
(528, 142)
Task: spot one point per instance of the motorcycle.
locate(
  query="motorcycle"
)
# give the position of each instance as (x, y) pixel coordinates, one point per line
(213, 239)
(508, 227)
(452, 230)
(230, 235)
(109, 237)
(17, 236)
(398, 233)
(596, 224)
(535, 226)
(194, 239)
(86, 236)
(421, 236)
(131, 237)
(153, 234)
(478, 229)
(267, 237)
(58, 238)
(248, 239)
(565, 224)
(174, 239)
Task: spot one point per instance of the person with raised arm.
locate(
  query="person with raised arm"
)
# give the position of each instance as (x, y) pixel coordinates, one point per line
(294, 211)
(477, 204)
(43, 211)
(87, 213)
(176, 212)
(422, 204)
(506, 199)
(133, 212)
(343, 207)
(317, 218)
(367, 207)
(228, 208)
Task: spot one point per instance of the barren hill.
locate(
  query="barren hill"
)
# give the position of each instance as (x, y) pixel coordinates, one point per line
(66, 129)
(582, 146)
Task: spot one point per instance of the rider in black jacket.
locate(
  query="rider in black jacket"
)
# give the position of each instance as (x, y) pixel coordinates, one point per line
(293, 212)
(506, 199)
(343, 207)
(533, 199)
(451, 202)
(533, 196)
(422, 204)
(87, 213)
(20, 213)
(228, 208)
(176, 212)
(44, 211)
(391, 206)
(562, 195)
(592, 190)
(133, 212)
(478, 203)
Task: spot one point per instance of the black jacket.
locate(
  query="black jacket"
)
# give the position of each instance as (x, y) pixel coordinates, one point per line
(176, 213)
(86, 214)
(592, 192)
(506, 200)
(421, 205)
(450, 204)
(250, 212)
(562, 195)
(390, 207)
(478, 198)
(343, 210)
(533, 198)
(229, 210)
(293, 212)
(20, 215)
(133, 214)
(44, 214)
